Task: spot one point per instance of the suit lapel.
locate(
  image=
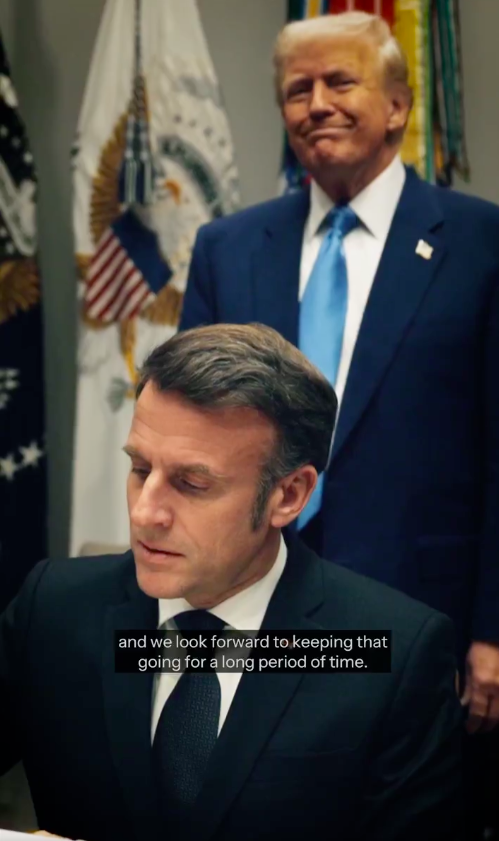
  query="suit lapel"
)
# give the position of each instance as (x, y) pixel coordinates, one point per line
(127, 702)
(276, 267)
(401, 282)
(260, 699)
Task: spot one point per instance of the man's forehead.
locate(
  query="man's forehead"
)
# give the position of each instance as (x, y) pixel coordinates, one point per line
(167, 422)
(331, 53)
(171, 411)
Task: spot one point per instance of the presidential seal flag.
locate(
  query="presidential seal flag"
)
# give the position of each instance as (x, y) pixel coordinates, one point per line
(23, 496)
(153, 160)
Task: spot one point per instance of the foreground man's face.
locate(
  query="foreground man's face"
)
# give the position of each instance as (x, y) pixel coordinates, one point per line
(191, 490)
(336, 106)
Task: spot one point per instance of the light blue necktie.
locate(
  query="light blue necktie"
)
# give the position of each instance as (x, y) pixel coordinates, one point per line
(323, 312)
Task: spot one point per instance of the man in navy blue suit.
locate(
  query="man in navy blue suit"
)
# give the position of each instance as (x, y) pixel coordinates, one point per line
(411, 496)
(222, 459)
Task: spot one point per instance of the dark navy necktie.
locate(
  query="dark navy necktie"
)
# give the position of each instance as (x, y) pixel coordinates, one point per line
(187, 729)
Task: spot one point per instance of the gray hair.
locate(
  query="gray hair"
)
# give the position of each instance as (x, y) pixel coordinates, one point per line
(252, 366)
(354, 24)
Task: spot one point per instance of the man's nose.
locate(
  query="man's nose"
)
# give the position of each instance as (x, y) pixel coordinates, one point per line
(153, 507)
(321, 102)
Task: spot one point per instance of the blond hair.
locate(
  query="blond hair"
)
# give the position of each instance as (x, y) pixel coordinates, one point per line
(353, 24)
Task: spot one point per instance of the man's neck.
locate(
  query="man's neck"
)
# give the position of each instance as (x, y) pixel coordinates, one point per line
(257, 569)
(342, 184)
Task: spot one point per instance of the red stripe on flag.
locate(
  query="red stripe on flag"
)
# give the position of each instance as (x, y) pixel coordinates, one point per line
(104, 242)
(104, 312)
(135, 304)
(111, 277)
(134, 281)
(124, 304)
(102, 255)
(102, 258)
(104, 301)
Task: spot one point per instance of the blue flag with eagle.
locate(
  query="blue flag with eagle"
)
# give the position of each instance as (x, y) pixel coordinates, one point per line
(23, 495)
(153, 160)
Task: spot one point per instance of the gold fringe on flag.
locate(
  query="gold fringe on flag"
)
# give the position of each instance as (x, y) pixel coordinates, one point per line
(409, 29)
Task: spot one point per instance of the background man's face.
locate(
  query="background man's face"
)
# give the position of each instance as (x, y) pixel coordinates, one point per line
(336, 107)
(191, 490)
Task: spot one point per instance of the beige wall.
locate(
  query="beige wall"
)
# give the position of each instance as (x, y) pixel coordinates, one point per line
(240, 34)
(49, 43)
(480, 26)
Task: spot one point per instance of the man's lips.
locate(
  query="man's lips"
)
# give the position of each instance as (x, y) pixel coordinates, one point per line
(327, 131)
(151, 549)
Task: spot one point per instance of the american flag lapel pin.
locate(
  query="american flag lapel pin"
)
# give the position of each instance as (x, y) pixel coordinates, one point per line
(424, 250)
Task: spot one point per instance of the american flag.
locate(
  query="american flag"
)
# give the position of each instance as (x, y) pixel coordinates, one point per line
(126, 272)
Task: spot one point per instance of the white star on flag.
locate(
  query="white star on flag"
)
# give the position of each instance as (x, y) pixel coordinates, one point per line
(31, 455)
(8, 467)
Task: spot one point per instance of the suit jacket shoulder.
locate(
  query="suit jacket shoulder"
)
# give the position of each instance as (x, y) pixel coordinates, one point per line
(461, 219)
(335, 597)
(366, 599)
(266, 214)
(456, 202)
(61, 592)
(103, 576)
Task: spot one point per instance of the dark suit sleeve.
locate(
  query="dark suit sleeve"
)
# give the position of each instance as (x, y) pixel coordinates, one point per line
(199, 305)
(486, 611)
(414, 788)
(14, 638)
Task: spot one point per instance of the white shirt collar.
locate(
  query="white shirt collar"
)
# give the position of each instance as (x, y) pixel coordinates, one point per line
(245, 610)
(375, 205)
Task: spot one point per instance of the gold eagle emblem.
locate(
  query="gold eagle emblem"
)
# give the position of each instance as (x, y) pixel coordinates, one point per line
(19, 287)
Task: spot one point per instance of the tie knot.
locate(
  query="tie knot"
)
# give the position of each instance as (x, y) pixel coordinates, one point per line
(342, 219)
(198, 620)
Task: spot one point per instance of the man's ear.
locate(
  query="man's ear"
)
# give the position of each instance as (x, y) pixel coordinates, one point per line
(291, 495)
(400, 108)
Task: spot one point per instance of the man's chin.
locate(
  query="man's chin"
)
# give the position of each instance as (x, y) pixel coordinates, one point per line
(159, 584)
(328, 153)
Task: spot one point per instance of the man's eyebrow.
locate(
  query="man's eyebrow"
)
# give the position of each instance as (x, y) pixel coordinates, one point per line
(296, 80)
(133, 453)
(333, 71)
(201, 469)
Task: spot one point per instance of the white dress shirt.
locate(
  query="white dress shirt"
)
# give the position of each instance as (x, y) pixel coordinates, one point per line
(243, 612)
(375, 207)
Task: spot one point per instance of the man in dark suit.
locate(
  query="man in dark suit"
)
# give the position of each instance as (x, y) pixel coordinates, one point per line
(223, 457)
(402, 316)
